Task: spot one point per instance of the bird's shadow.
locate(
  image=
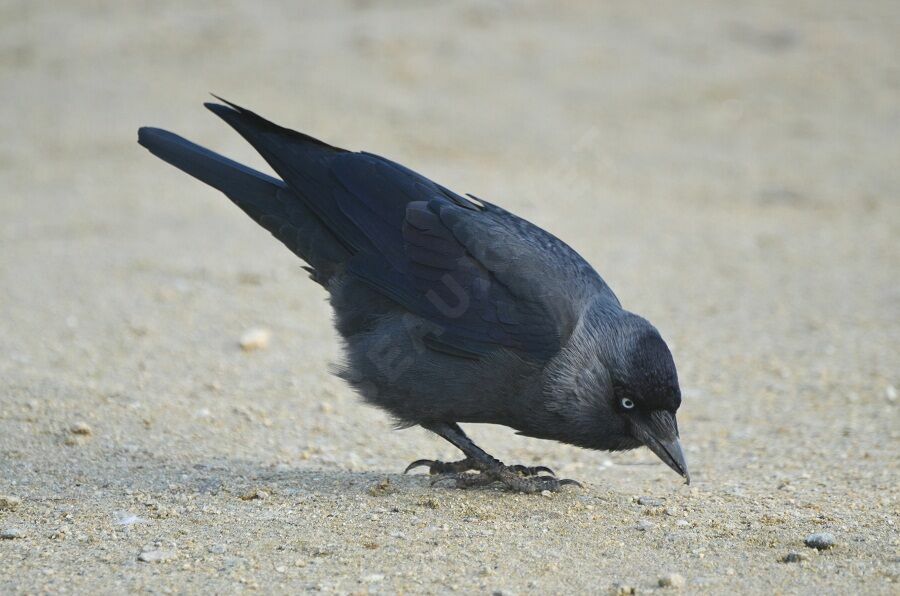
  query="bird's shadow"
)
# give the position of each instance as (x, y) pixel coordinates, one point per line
(152, 474)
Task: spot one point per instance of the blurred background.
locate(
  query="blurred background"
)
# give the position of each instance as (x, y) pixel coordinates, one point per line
(731, 169)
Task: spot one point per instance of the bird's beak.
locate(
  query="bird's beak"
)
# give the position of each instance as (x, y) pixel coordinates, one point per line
(660, 434)
(671, 453)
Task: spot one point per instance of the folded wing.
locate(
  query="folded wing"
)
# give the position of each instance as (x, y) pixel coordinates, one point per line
(483, 278)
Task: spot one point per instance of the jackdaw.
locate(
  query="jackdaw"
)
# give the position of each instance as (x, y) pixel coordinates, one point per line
(451, 308)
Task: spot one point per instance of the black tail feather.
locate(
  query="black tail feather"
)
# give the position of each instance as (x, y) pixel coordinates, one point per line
(240, 118)
(265, 199)
(232, 178)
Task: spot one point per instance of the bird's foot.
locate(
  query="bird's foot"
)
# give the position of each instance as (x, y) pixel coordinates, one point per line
(443, 467)
(509, 476)
(469, 464)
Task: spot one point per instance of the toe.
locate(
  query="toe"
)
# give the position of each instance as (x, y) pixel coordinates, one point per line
(530, 470)
(444, 477)
(418, 464)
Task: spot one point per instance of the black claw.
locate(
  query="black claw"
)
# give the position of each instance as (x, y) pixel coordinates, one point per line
(531, 470)
(419, 463)
(565, 481)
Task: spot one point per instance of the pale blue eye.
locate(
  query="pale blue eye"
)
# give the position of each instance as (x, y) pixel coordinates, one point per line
(627, 403)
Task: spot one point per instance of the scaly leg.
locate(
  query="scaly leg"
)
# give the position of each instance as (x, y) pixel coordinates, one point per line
(518, 478)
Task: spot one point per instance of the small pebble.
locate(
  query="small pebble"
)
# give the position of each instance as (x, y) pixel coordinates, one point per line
(217, 549)
(820, 540)
(126, 518)
(81, 428)
(794, 558)
(255, 338)
(9, 503)
(891, 393)
(382, 488)
(374, 578)
(645, 525)
(431, 503)
(650, 502)
(156, 555)
(255, 494)
(623, 590)
(546, 493)
(672, 580)
(10, 533)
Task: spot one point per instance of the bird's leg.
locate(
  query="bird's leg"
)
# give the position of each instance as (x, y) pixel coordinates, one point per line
(519, 478)
(469, 464)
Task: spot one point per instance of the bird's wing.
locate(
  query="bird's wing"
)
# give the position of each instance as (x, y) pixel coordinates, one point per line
(481, 276)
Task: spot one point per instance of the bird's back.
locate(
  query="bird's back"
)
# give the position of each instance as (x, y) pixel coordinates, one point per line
(480, 277)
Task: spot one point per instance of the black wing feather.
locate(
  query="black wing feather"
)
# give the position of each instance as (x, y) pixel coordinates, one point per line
(467, 268)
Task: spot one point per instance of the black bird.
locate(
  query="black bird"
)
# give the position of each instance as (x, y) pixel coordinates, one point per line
(452, 309)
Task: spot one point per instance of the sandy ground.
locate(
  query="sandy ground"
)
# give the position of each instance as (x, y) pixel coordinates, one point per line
(733, 173)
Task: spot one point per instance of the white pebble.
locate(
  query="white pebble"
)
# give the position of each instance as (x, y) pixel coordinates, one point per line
(255, 338)
(80, 428)
(156, 555)
(126, 518)
(649, 502)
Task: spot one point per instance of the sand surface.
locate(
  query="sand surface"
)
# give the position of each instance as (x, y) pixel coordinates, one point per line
(734, 174)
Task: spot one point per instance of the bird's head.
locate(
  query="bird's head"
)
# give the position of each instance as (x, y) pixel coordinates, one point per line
(615, 387)
(645, 393)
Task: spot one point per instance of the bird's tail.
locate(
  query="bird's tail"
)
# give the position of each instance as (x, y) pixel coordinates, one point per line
(237, 181)
(265, 199)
